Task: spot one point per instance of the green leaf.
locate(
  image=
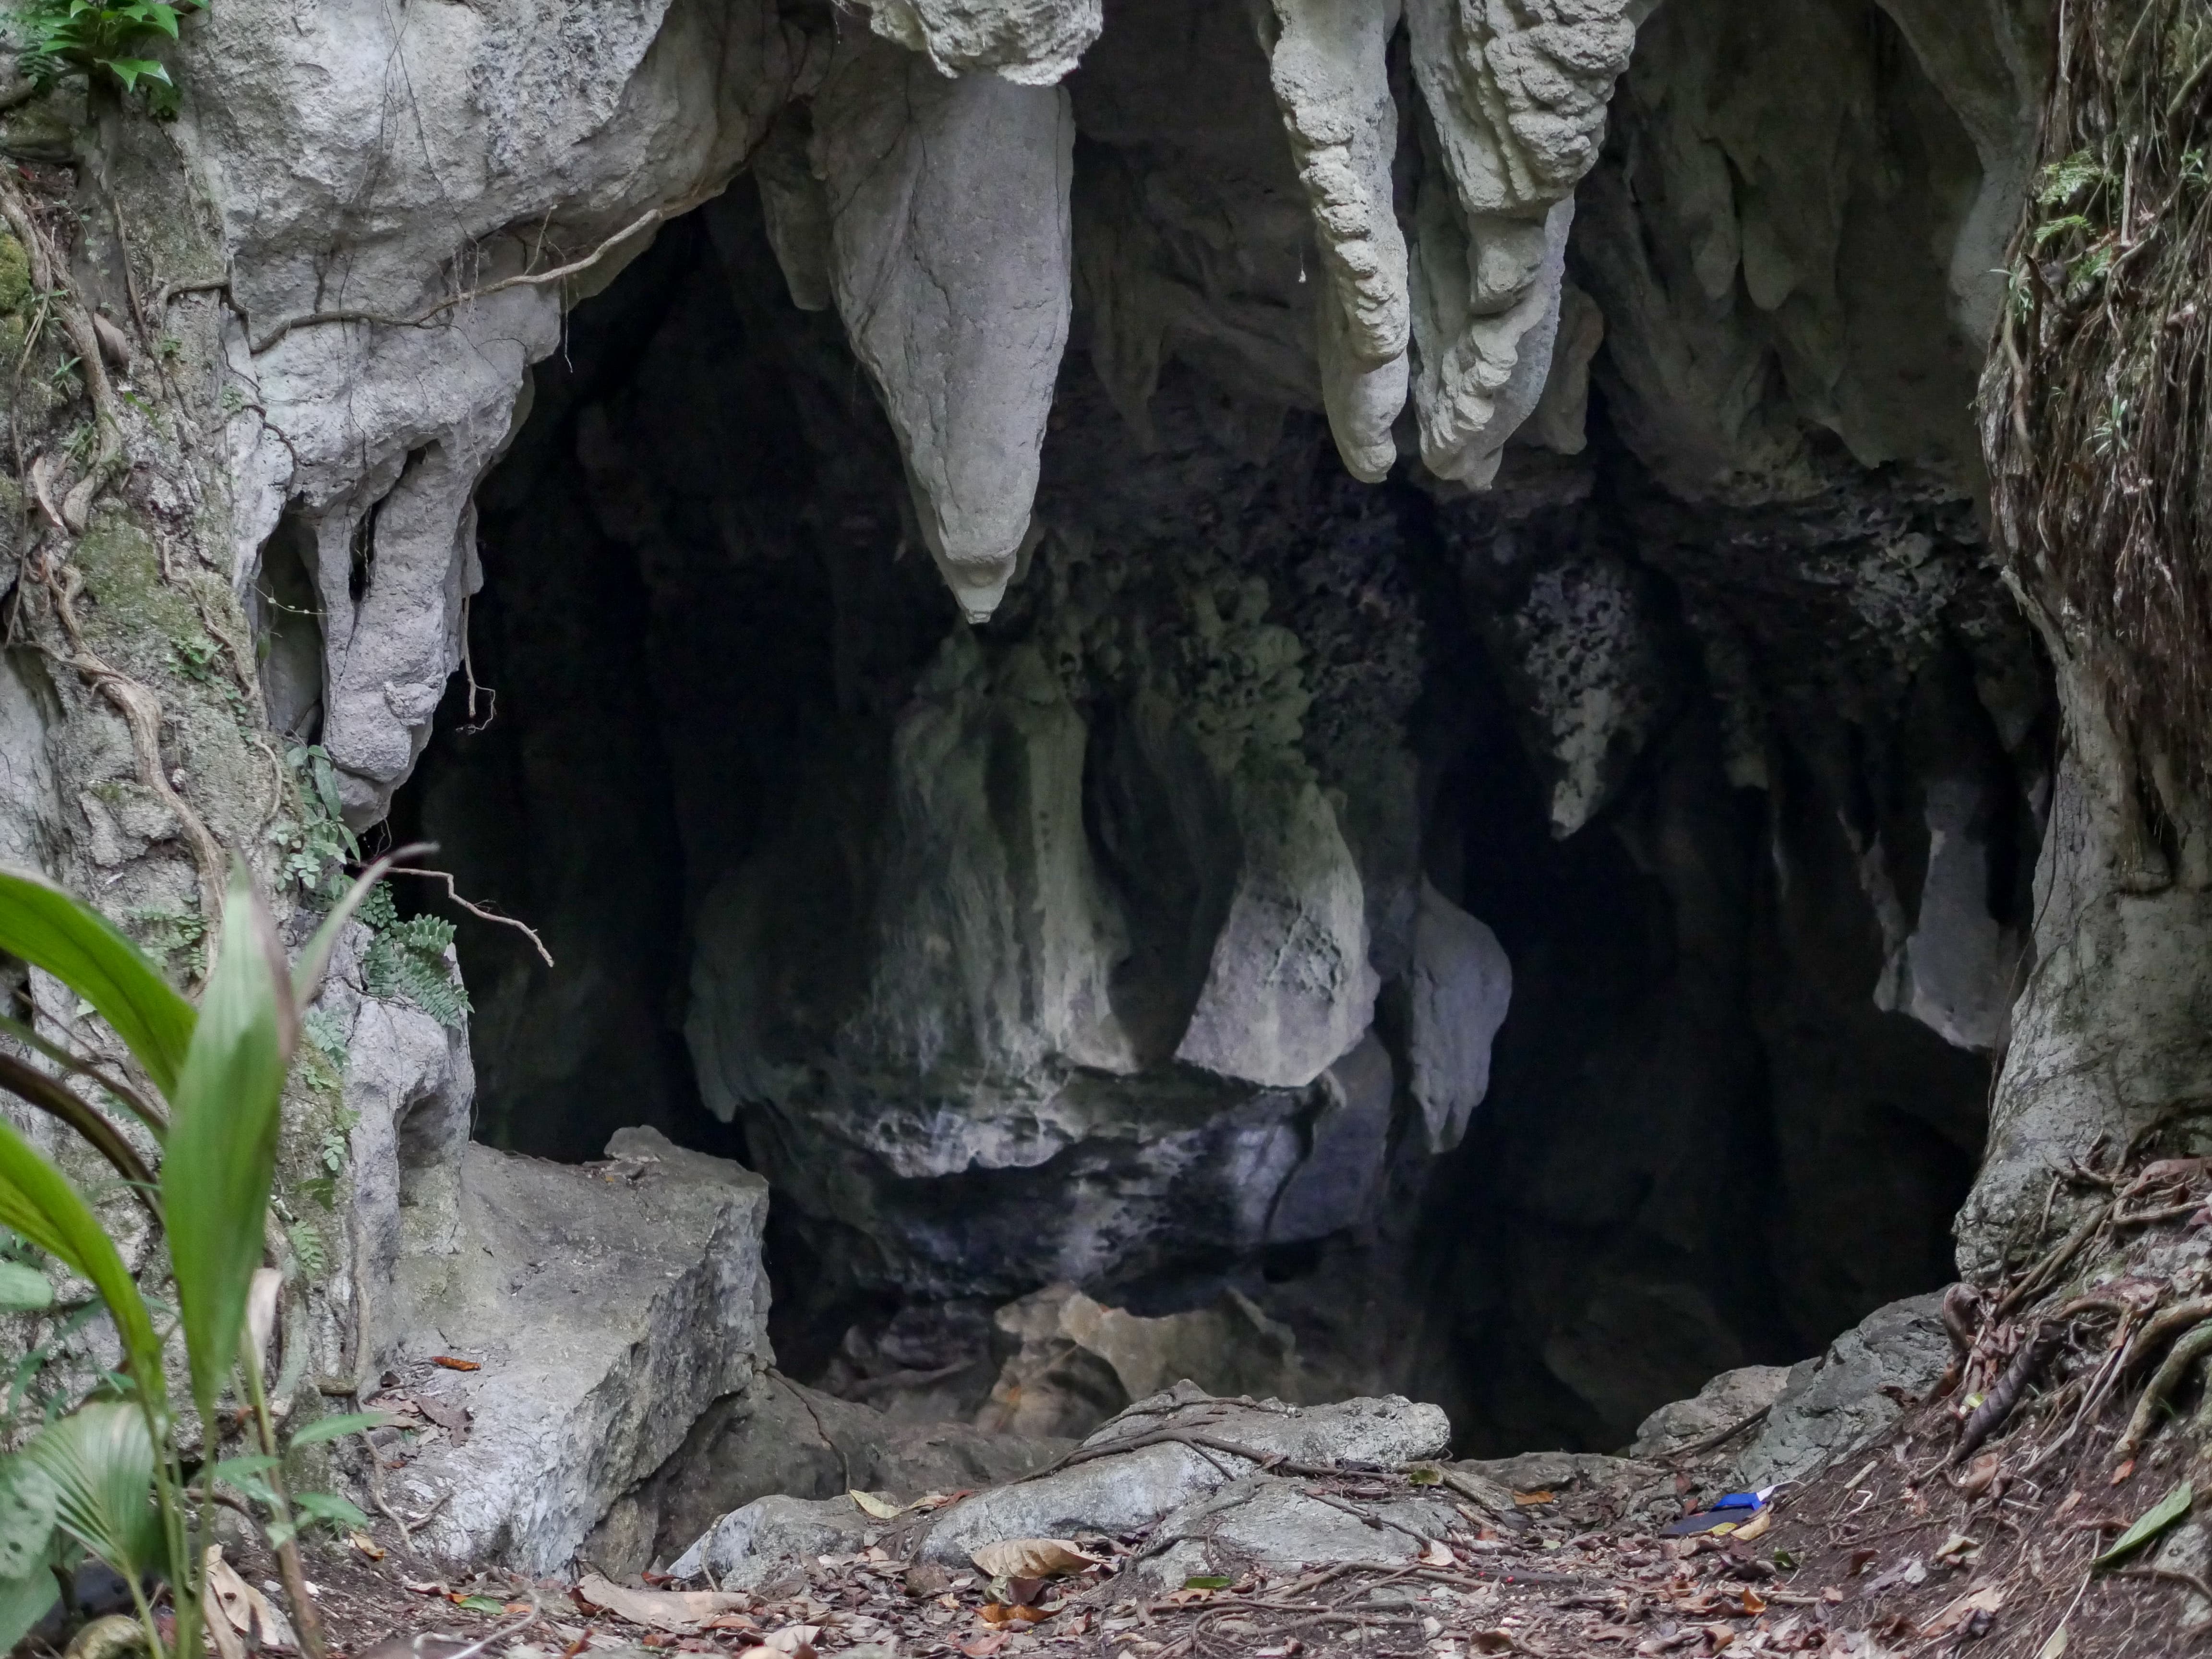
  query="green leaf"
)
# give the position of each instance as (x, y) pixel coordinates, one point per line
(100, 1459)
(22, 1290)
(245, 1473)
(481, 1604)
(156, 1122)
(37, 1200)
(51, 929)
(328, 1506)
(2155, 1520)
(222, 1138)
(27, 1505)
(337, 1428)
(24, 1601)
(1208, 1581)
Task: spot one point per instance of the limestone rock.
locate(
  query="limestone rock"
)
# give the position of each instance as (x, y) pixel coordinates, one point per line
(1290, 988)
(1123, 1492)
(607, 1308)
(756, 1545)
(778, 1438)
(1728, 1401)
(1045, 1386)
(1833, 1406)
(1327, 63)
(1515, 98)
(345, 157)
(1461, 985)
(1029, 42)
(1271, 1521)
(950, 253)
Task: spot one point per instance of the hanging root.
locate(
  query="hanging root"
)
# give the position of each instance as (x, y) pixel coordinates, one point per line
(1989, 1417)
(2187, 1352)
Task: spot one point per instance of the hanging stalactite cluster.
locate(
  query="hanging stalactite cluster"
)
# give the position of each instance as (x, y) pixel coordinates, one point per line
(2098, 401)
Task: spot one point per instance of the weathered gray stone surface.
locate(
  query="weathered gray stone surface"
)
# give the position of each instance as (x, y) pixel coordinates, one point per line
(1120, 1493)
(1461, 988)
(1833, 1406)
(754, 1545)
(1030, 42)
(950, 259)
(1726, 1402)
(607, 1307)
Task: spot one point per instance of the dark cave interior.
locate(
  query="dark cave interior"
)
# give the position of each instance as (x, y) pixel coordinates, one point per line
(1704, 1144)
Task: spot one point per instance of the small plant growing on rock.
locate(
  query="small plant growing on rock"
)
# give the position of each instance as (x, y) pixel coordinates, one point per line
(106, 43)
(108, 1478)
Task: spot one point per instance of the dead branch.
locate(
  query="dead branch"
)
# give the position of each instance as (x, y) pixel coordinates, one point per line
(523, 927)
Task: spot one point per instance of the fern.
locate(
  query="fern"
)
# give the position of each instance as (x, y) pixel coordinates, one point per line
(407, 960)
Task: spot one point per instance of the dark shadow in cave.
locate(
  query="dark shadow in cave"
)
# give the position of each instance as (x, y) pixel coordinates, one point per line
(697, 573)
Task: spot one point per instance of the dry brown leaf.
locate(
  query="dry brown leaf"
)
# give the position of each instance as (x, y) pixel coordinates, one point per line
(1524, 1498)
(453, 1365)
(882, 1508)
(998, 1613)
(795, 1640)
(678, 1611)
(367, 1545)
(983, 1646)
(1988, 1599)
(1754, 1527)
(1979, 1474)
(1438, 1554)
(1031, 1557)
(245, 1606)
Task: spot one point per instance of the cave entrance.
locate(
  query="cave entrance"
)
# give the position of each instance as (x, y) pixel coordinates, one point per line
(929, 922)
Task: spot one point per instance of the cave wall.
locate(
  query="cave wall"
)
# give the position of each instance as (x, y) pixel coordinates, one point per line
(1414, 499)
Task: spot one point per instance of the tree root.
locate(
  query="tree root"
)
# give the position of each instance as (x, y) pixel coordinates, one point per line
(2193, 1344)
(51, 280)
(142, 713)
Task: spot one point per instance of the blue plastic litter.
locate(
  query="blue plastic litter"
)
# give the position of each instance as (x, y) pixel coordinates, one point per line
(1736, 1500)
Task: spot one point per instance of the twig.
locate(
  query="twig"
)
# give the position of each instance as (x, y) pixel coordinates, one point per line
(478, 909)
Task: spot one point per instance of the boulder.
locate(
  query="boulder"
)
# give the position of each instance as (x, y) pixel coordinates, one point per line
(1206, 1502)
(1122, 1493)
(1079, 1361)
(1834, 1405)
(752, 1546)
(1728, 1402)
(1259, 1519)
(780, 1438)
(605, 1308)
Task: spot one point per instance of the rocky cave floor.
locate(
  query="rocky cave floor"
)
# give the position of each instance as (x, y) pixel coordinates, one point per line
(2032, 1499)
